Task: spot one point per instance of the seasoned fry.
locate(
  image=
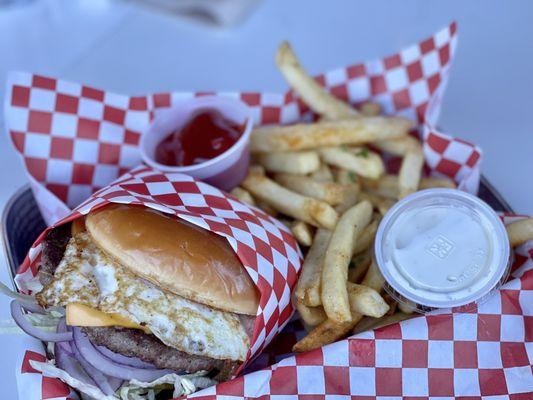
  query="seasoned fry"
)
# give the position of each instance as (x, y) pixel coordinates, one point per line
(267, 208)
(243, 195)
(302, 232)
(327, 332)
(302, 162)
(322, 174)
(314, 95)
(370, 109)
(410, 172)
(311, 315)
(387, 185)
(363, 162)
(308, 286)
(345, 177)
(369, 323)
(520, 231)
(330, 192)
(366, 238)
(407, 307)
(431, 182)
(350, 198)
(366, 301)
(373, 278)
(398, 147)
(359, 266)
(338, 255)
(274, 138)
(312, 211)
(382, 204)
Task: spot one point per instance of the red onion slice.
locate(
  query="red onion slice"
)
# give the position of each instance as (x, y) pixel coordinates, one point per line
(111, 368)
(64, 346)
(70, 365)
(120, 359)
(107, 384)
(26, 326)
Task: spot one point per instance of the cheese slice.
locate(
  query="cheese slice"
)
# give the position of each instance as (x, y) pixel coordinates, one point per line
(81, 315)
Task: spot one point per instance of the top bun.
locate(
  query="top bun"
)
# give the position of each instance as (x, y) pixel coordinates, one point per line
(175, 255)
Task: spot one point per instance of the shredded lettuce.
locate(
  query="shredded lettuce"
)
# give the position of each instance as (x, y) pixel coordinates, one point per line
(47, 322)
(183, 385)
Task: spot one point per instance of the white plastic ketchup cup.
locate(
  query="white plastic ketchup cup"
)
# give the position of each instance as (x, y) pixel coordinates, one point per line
(441, 248)
(224, 171)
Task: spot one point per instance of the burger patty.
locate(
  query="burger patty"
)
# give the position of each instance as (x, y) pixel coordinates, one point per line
(135, 343)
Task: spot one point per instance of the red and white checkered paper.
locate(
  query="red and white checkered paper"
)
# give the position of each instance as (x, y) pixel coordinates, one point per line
(75, 139)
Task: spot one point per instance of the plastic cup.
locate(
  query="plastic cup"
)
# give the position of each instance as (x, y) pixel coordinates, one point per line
(224, 171)
(441, 248)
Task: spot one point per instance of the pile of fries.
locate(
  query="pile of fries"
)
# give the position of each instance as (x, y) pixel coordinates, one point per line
(324, 181)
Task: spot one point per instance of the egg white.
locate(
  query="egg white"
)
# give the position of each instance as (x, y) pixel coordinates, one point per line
(87, 275)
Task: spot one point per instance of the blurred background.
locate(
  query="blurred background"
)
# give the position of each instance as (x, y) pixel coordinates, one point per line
(137, 47)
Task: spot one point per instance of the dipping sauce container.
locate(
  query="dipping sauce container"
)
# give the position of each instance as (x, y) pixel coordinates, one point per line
(224, 171)
(441, 248)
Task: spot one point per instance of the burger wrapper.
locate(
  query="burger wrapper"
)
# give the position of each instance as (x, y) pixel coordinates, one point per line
(75, 140)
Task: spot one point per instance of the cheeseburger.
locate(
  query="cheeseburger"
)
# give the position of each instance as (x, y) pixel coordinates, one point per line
(150, 292)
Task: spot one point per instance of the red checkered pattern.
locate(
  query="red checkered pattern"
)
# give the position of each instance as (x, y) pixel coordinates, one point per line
(264, 245)
(75, 139)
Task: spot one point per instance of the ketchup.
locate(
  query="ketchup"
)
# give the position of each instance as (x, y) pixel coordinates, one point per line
(207, 135)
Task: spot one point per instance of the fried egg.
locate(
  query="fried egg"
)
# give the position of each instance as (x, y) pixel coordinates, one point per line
(88, 276)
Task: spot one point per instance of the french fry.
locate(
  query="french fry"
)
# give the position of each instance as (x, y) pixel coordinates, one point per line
(407, 307)
(432, 182)
(263, 205)
(363, 162)
(520, 231)
(280, 138)
(312, 211)
(366, 301)
(314, 95)
(373, 278)
(308, 286)
(297, 162)
(345, 177)
(387, 185)
(398, 147)
(302, 232)
(380, 203)
(335, 271)
(369, 323)
(243, 195)
(370, 109)
(350, 198)
(330, 192)
(359, 266)
(410, 172)
(322, 174)
(327, 332)
(366, 238)
(312, 316)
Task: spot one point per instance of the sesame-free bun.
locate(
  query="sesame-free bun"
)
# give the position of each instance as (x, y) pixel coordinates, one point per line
(175, 255)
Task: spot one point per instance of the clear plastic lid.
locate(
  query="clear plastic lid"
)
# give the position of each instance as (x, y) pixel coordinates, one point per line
(441, 248)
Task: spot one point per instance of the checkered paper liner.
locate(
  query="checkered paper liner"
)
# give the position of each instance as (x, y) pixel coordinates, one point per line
(75, 139)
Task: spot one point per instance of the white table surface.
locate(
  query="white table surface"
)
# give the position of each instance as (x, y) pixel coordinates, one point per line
(121, 47)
